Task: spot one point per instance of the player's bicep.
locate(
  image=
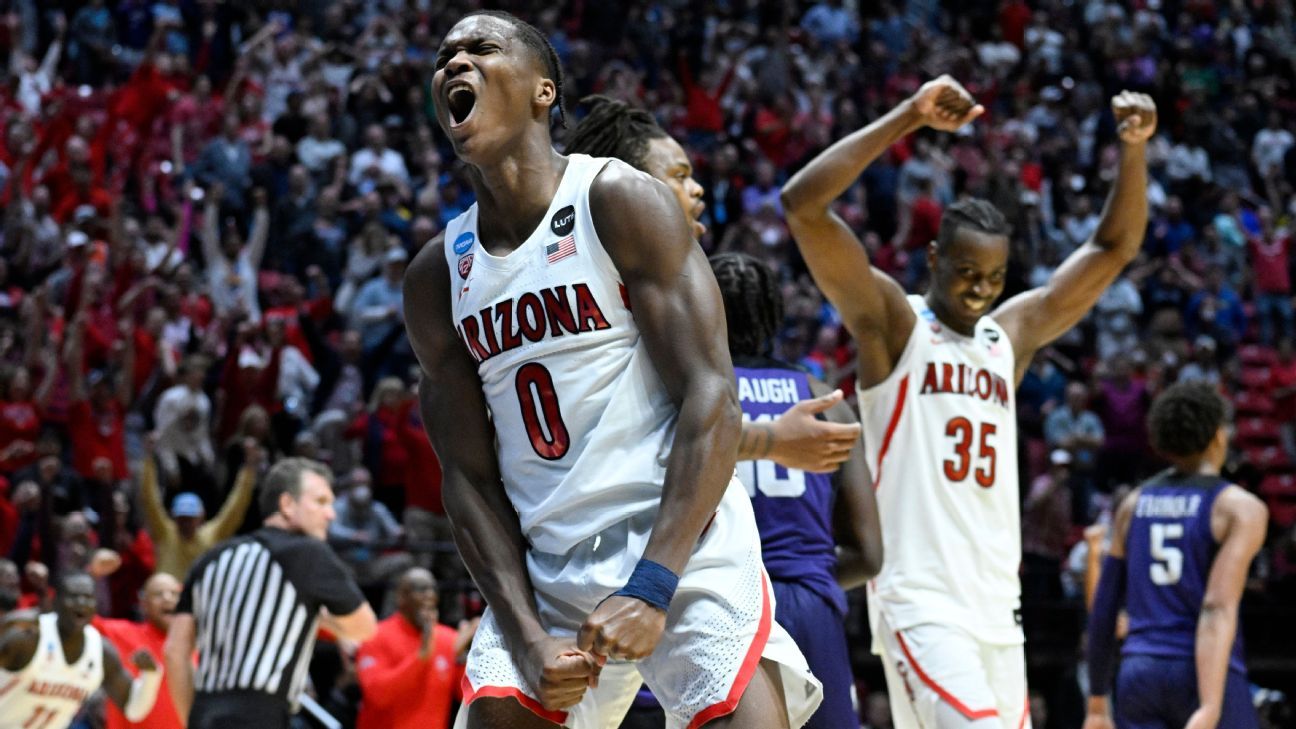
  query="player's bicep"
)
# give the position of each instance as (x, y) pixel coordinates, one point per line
(1247, 524)
(672, 291)
(1039, 316)
(454, 408)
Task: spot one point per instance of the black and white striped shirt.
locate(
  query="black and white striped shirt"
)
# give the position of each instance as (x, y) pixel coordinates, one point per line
(256, 603)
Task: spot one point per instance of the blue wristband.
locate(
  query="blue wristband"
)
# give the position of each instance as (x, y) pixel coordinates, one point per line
(652, 583)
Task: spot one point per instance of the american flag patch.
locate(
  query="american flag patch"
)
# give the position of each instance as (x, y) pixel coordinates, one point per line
(560, 249)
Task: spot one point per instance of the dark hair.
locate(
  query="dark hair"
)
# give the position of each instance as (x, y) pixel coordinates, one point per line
(536, 41)
(285, 477)
(1184, 419)
(67, 577)
(974, 213)
(613, 128)
(752, 300)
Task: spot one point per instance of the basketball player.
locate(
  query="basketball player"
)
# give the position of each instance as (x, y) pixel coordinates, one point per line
(794, 439)
(1181, 548)
(605, 527)
(48, 673)
(796, 511)
(937, 377)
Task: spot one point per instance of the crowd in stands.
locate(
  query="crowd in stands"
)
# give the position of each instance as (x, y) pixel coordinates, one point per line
(208, 208)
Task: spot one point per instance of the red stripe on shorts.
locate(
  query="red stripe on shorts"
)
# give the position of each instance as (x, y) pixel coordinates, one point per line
(509, 692)
(748, 667)
(961, 707)
(891, 426)
(1025, 711)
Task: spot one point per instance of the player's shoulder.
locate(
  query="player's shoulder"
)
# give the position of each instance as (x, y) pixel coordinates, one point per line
(429, 267)
(618, 186)
(1242, 506)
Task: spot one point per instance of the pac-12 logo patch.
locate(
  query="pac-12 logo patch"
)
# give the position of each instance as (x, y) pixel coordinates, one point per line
(464, 242)
(563, 221)
(465, 265)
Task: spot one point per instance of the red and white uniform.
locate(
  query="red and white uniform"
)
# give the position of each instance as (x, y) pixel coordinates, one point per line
(584, 427)
(940, 435)
(48, 692)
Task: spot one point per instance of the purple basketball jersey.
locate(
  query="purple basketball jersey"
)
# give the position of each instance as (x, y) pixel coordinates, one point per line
(1169, 552)
(793, 508)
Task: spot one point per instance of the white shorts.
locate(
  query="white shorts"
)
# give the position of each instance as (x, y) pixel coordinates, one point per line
(940, 677)
(720, 626)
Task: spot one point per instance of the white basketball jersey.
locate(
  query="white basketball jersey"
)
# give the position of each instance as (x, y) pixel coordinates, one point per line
(583, 422)
(47, 693)
(940, 434)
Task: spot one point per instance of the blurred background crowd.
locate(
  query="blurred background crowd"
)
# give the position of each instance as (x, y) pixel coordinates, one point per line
(208, 206)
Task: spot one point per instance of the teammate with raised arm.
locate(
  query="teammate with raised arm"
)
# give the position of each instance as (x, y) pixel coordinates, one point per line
(579, 391)
(47, 674)
(937, 379)
(1181, 550)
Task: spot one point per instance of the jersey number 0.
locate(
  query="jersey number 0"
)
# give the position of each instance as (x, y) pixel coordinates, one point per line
(539, 401)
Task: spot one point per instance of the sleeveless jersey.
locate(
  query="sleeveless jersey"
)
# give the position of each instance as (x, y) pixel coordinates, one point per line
(1168, 555)
(47, 693)
(794, 509)
(583, 422)
(940, 434)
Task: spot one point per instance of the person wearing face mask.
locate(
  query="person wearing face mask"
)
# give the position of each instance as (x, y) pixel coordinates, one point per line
(409, 672)
(257, 602)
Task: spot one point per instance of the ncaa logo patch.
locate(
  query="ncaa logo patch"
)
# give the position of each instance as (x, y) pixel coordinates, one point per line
(464, 242)
(563, 221)
(465, 265)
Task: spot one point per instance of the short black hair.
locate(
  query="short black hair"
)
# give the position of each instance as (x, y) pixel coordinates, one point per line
(1184, 419)
(536, 41)
(285, 477)
(613, 128)
(974, 213)
(752, 300)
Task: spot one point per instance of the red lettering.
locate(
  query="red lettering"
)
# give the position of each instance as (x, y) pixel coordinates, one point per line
(929, 381)
(531, 317)
(509, 337)
(470, 332)
(1001, 391)
(559, 311)
(983, 384)
(489, 327)
(587, 309)
(947, 377)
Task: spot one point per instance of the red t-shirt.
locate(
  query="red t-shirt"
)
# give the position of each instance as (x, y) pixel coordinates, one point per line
(1284, 375)
(1269, 260)
(423, 470)
(19, 421)
(924, 222)
(399, 690)
(98, 434)
(128, 636)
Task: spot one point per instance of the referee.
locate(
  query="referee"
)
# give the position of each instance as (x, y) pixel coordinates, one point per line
(252, 604)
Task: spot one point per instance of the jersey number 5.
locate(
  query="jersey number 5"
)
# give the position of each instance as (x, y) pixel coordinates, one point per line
(1167, 561)
(539, 401)
(957, 468)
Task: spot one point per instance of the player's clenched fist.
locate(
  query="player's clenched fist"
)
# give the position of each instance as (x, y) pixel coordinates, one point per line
(560, 673)
(944, 104)
(622, 628)
(1136, 116)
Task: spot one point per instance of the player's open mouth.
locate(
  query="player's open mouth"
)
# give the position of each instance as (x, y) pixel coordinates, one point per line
(460, 102)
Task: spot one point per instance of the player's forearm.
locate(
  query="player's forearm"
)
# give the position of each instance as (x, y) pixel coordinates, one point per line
(698, 472)
(756, 441)
(1216, 629)
(1124, 218)
(489, 538)
(835, 169)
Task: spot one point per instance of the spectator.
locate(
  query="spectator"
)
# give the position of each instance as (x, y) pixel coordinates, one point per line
(1282, 384)
(1271, 261)
(185, 534)
(157, 601)
(226, 165)
(410, 671)
(1116, 318)
(1122, 404)
(183, 422)
(378, 312)
(1216, 310)
(1046, 528)
(376, 160)
(1076, 429)
(366, 536)
(1202, 367)
(232, 266)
